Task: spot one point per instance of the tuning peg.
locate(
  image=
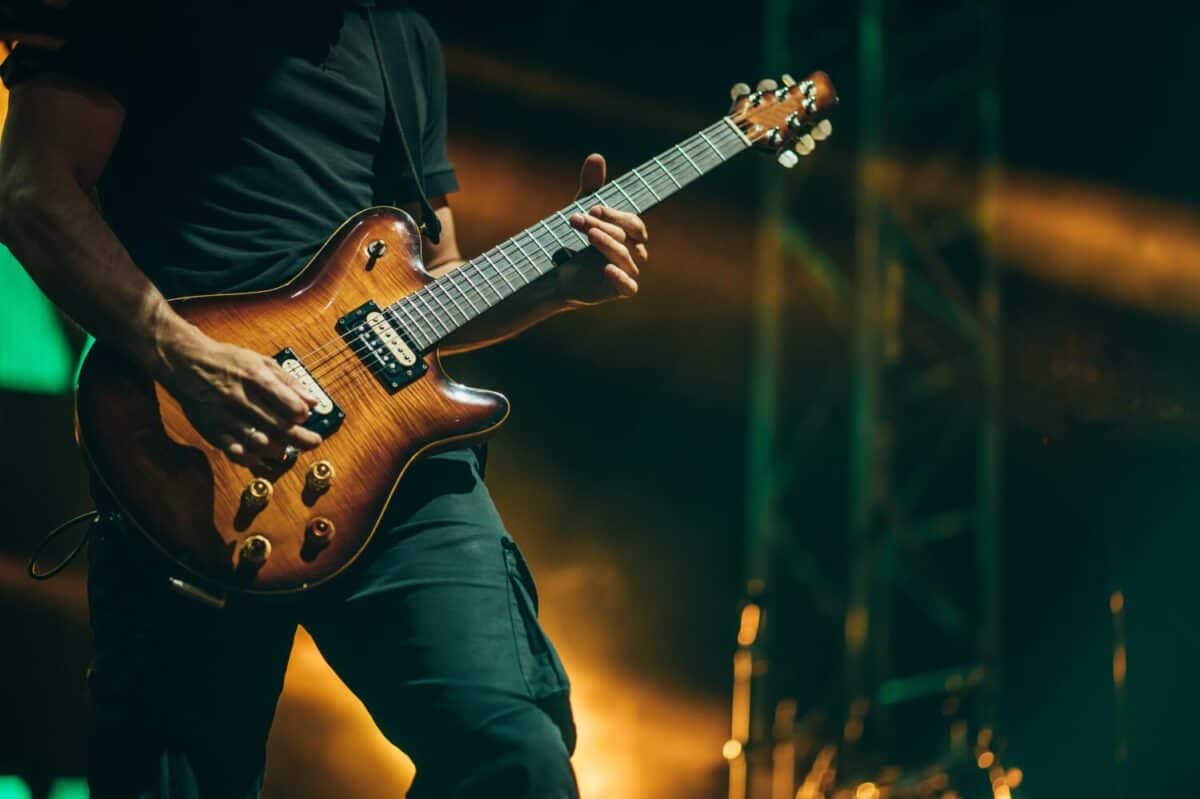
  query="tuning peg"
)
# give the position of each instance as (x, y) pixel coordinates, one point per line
(738, 91)
(823, 130)
(787, 80)
(805, 144)
(787, 158)
(767, 85)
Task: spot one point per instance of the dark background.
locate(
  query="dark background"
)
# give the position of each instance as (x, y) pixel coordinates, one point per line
(622, 468)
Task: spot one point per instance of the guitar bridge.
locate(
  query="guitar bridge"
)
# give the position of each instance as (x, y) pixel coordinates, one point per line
(382, 345)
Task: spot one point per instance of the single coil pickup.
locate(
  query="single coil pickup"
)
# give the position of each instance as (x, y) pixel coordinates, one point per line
(326, 417)
(382, 345)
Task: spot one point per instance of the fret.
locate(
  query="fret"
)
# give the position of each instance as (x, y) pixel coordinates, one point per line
(430, 289)
(418, 299)
(524, 254)
(616, 184)
(649, 188)
(553, 235)
(713, 146)
(486, 279)
(742, 136)
(538, 244)
(658, 163)
(688, 158)
(407, 320)
(409, 324)
(447, 283)
(513, 264)
(572, 228)
(500, 272)
(466, 296)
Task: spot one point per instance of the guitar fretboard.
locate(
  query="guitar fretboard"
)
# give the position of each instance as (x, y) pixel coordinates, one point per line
(446, 304)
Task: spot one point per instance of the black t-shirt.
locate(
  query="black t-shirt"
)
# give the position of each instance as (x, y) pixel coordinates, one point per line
(252, 131)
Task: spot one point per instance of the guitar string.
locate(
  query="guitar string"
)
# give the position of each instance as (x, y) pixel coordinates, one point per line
(408, 311)
(324, 372)
(705, 156)
(718, 129)
(419, 323)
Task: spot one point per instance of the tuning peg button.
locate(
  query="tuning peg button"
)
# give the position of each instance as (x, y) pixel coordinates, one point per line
(767, 85)
(805, 145)
(738, 91)
(787, 158)
(823, 130)
(788, 80)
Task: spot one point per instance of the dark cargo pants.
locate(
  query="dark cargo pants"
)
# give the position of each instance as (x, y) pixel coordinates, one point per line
(436, 632)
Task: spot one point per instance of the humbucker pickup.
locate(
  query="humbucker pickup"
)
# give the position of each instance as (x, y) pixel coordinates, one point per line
(326, 417)
(382, 344)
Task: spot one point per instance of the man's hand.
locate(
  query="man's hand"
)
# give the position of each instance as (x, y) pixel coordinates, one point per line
(619, 239)
(240, 401)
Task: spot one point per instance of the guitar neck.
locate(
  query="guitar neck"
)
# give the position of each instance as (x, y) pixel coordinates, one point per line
(453, 300)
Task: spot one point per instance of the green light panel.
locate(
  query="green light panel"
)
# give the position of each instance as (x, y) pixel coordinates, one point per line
(35, 355)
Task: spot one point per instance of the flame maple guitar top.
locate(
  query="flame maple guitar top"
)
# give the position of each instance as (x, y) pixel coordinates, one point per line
(191, 500)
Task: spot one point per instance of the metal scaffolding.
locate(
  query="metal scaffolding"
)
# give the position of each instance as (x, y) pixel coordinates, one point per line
(922, 319)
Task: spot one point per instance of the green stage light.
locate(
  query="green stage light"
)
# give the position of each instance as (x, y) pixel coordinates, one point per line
(14, 788)
(36, 355)
(67, 788)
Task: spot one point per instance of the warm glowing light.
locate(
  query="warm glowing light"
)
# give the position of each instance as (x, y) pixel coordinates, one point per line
(751, 615)
(1014, 777)
(1002, 791)
(951, 795)
(732, 749)
(1119, 665)
(853, 731)
(985, 759)
(984, 739)
(867, 790)
(856, 628)
(1116, 602)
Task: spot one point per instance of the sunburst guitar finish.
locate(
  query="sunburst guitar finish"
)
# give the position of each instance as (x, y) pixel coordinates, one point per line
(298, 524)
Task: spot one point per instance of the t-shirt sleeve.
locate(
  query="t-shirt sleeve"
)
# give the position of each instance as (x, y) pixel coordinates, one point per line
(107, 60)
(439, 171)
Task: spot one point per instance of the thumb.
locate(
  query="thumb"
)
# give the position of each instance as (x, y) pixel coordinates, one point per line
(591, 176)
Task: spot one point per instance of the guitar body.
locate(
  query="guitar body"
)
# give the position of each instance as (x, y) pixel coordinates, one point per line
(192, 501)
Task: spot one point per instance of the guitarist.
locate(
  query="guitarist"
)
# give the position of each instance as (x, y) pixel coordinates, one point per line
(224, 142)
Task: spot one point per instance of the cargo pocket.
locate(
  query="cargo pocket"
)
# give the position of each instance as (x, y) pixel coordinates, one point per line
(543, 671)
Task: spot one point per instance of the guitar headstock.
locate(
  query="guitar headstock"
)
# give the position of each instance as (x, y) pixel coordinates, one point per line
(787, 120)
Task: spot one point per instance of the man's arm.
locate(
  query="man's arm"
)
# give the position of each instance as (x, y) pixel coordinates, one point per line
(57, 139)
(619, 242)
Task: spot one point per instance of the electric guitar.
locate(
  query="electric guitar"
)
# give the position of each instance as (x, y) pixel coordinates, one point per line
(360, 327)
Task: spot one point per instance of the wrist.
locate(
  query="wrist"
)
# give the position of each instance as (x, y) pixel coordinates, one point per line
(165, 340)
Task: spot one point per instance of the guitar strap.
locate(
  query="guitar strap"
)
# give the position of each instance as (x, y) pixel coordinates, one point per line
(409, 120)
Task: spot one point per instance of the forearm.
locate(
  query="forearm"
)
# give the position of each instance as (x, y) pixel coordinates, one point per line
(58, 235)
(532, 304)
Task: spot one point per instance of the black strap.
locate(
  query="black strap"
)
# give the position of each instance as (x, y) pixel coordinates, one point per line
(431, 226)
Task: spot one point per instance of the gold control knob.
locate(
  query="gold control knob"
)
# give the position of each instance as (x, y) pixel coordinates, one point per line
(258, 493)
(320, 475)
(255, 550)
(319, 531)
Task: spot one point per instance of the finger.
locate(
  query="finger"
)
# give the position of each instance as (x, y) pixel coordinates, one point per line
(236, 451)
(640, 254)
(293, 383)
(615, 251)
(620, 281)
(592, 174)
(632, 224)
(584, 222)
(282, 393)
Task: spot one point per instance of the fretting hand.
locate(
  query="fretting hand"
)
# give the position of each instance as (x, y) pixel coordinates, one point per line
(610, 270)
